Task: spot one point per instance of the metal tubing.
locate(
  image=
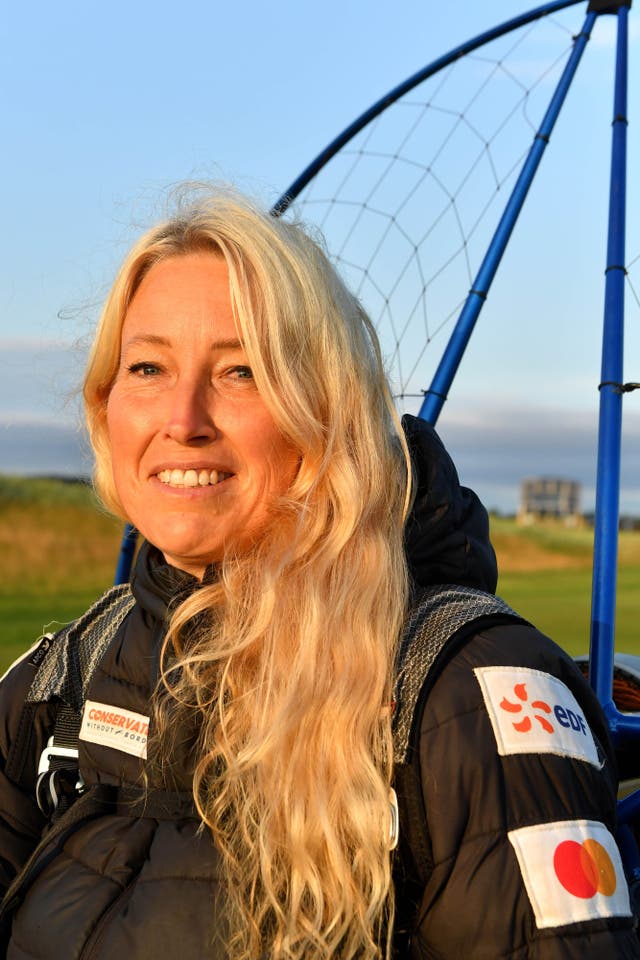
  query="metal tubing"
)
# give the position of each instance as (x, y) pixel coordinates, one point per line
(622, 726)
(127, 550)
(605, 549)
(436, 395)
(349, 132)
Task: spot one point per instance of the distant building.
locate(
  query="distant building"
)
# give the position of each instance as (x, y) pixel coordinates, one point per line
(549, 497)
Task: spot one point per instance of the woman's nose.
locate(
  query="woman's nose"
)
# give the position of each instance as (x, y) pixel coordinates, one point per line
(190, 413)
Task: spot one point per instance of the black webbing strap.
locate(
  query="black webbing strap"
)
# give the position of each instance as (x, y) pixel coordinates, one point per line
(64, 664)
(154, 803)
(66, 732)
(59, 783)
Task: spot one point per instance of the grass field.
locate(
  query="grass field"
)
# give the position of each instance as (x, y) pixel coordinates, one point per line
(58, 552)
(545, 574)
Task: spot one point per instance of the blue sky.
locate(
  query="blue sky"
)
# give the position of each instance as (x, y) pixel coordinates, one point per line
(105, 107)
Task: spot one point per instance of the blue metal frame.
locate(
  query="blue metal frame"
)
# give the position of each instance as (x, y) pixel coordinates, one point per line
(377, 108)
(437, 393)
(605, 549)
(602, 646)
(125, 557)
(608, 481)
(610, 421)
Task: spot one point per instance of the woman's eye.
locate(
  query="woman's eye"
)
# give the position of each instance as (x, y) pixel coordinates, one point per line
(242, 373)
(144, 369)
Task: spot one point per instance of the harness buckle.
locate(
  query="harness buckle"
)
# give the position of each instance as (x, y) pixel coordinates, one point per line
(51, 751)
(58, 784)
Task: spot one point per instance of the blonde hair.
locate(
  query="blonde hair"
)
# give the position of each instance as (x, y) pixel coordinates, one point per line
(287, 657)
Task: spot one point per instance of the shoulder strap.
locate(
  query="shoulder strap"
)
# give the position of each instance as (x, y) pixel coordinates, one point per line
(440, 621)
(437, 615)
(68, 668)
(79, 648)
(63, 676)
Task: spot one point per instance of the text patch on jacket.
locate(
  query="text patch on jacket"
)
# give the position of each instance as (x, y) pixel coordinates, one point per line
(115, 727)
(533, 712)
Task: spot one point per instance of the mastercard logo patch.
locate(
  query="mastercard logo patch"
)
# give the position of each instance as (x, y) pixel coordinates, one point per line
(572, 872)
(585, 869)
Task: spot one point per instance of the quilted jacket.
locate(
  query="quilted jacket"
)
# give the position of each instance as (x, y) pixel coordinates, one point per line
(515, 784)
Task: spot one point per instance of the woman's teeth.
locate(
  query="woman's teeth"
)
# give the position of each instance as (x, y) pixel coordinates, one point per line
(192, 478)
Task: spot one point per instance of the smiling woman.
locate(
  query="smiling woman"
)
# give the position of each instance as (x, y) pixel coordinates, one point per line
(198, 461)
(201, 765)
(241, 420)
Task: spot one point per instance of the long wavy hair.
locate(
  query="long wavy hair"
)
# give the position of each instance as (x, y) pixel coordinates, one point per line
(286, 657)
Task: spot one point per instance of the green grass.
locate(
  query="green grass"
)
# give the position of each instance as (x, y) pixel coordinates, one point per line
(44, 491)
(58, 551)
(545, 574)
(559, 603)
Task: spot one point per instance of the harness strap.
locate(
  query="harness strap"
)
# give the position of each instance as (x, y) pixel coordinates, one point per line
(154, 803)
(59, 781)
(63, 673)
(67, 670)
(66, 732)
(440, 622)
(436, 615)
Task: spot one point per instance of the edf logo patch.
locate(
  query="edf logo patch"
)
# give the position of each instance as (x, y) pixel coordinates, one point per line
(533, 712)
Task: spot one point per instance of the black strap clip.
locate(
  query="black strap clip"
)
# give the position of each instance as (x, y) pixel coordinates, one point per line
(59, 781)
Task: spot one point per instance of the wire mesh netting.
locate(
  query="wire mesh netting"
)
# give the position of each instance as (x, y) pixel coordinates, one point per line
(409, 205)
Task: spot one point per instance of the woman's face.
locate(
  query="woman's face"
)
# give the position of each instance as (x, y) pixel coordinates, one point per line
(197, 458)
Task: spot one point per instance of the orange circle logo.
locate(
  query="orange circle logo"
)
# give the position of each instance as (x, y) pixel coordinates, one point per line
(584, 869)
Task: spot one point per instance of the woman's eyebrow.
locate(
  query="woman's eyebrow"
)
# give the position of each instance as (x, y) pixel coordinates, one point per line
(231, 344)
(147, 338)
(153, 339)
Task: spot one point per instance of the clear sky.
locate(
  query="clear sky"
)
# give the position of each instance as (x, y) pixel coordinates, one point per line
(106, 106)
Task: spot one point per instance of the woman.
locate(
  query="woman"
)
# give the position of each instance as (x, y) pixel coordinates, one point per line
(235, 747)
(240, 420)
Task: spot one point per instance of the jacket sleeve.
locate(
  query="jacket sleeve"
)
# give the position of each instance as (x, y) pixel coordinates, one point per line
(519, 792)
(21, 821)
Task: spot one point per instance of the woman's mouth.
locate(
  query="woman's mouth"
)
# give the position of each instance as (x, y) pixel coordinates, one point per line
(192, 478)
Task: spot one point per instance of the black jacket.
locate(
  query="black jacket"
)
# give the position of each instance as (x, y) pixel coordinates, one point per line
(141, 886)
(124, 886)
(510, 812)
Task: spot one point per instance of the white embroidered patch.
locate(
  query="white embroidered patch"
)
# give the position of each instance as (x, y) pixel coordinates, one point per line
(115, 727)
(533, 712)
(571, 871)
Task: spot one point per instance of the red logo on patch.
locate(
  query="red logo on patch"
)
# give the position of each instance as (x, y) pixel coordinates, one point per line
(525, 724)
(584, 869)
